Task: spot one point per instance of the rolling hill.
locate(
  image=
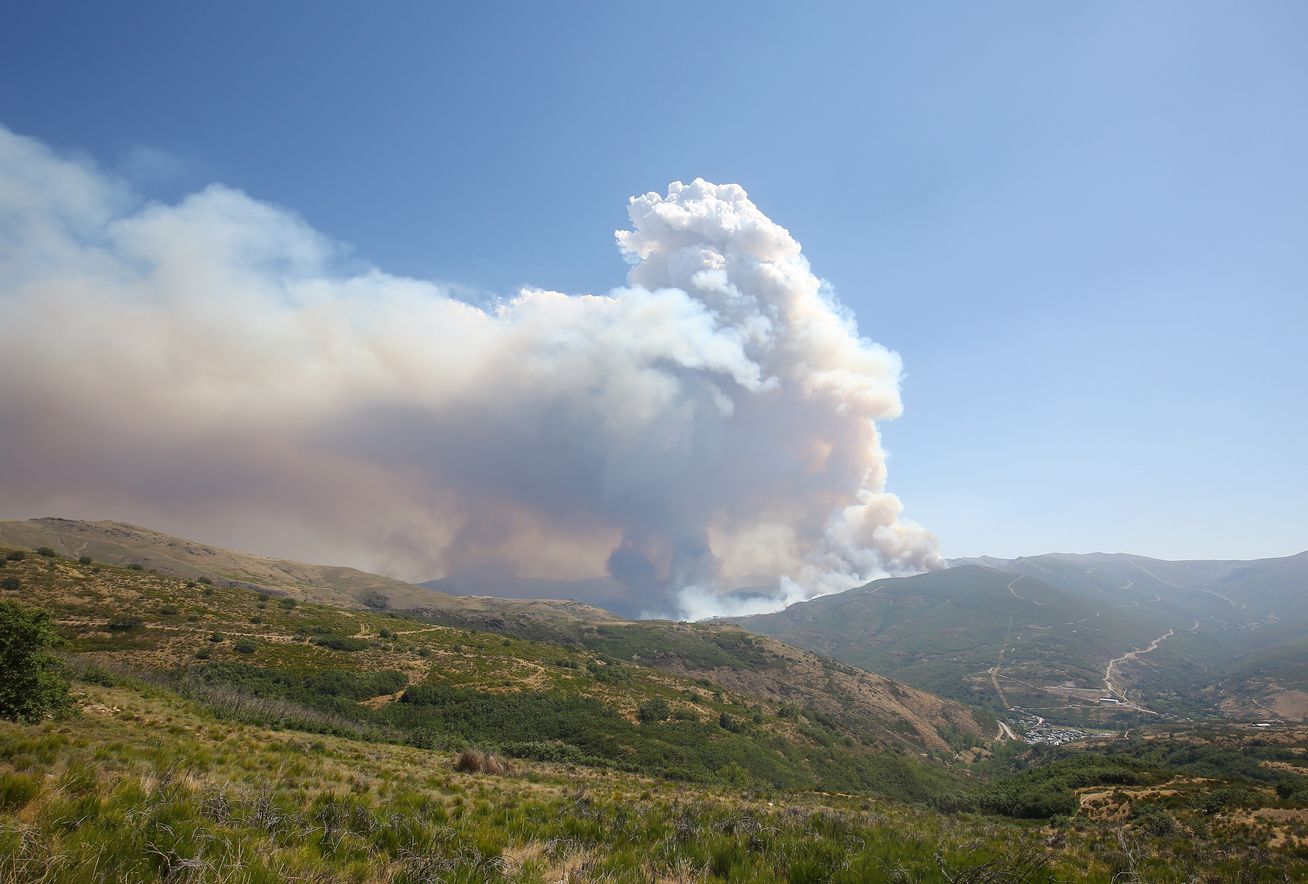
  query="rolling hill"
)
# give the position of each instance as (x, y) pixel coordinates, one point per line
(1098, 638)
(223, 732)
(177, 600)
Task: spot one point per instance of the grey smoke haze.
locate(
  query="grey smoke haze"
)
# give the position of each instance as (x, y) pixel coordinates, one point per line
(217, 368)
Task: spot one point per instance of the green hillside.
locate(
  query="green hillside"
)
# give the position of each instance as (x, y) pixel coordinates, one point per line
(404, 680)
(217, 733)
(945, 632)
(1055, 635)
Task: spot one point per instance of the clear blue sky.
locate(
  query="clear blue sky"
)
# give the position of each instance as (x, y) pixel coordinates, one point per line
(1084, 226)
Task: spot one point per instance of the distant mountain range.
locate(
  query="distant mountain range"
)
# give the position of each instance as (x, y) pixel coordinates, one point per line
(1097, 637)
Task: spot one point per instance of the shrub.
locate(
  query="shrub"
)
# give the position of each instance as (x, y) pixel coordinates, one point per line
(729, 722)
(378, 601)
(84, 560)
(168, 610)
(341, 642)
(46, 551)
(136, 566)
(124, 623)
(539, 750)
(1155, 820)
(652, 710)
(32, 686)
(206, 581)
(287, 604)
(245, 646)
(10, 583)
(16, 556)
(476, 761)
(217, 637)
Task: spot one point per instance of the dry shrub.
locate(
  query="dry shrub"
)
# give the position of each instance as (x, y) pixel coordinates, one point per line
(476, 761)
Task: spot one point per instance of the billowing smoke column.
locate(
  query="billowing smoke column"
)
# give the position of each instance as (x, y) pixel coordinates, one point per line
(216, 368)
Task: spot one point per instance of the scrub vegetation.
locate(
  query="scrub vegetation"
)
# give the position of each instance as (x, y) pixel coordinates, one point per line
(358, 745)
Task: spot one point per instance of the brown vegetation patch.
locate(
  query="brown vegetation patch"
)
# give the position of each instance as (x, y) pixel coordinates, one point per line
(476, 761)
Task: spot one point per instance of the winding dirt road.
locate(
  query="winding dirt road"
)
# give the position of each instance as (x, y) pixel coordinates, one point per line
(1131, 655)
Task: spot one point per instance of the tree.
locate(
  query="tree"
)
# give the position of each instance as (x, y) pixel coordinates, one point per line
(32, 686)
(652, 710)
(377, 601)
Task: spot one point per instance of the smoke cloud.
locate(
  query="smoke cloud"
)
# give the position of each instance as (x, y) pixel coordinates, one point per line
(217, 368)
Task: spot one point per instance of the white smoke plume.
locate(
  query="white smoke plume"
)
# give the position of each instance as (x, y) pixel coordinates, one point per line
(217, 368)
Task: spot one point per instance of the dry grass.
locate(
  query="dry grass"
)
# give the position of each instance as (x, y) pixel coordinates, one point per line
(476, 761)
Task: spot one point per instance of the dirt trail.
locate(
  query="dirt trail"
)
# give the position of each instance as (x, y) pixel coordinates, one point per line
(1239, 606)
(1131, 655)
(1022, 597)
(994, 670)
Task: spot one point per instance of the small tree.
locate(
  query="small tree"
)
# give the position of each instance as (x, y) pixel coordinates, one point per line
(46, 551)
(32, 686)
(377, 601)
(652, 710)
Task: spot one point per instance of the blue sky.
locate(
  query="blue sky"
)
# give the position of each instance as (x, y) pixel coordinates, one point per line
(1084, 227)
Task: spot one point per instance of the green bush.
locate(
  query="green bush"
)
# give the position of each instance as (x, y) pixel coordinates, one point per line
(16, 556)
(46, 551)
(376, 600)
(341, 642)
(136, 566)
(10, 583)
(245, 646)
(652, 710)
(32, 686)
(84, 560)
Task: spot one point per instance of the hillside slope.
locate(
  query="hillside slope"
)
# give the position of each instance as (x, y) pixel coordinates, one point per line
(1238, 626)
(170, 622)
(121, 544)
(971, 633)
(1098, 638)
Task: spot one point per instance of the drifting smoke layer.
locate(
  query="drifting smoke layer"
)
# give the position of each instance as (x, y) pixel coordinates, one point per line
(209, 368)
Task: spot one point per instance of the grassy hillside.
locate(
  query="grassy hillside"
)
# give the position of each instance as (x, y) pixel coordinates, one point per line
(222, 734)
(145, 785)
(377, 674)
(764, 670)
(122, 544)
